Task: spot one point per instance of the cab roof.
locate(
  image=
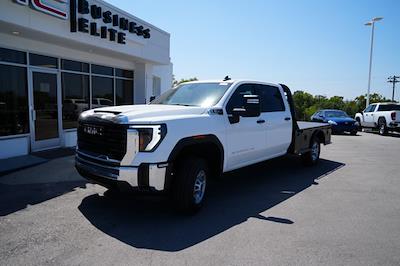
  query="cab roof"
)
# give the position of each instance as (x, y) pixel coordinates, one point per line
(230, 81)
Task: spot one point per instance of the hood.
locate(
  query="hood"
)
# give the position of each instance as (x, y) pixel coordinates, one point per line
(340, 119)
(143, 113)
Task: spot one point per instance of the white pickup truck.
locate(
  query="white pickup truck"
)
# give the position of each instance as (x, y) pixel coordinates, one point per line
(382, 116)
(191, 133)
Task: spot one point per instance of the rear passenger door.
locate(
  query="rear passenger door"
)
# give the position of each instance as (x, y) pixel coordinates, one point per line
(278, 120)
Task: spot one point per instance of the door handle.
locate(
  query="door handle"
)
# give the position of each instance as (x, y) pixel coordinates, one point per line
(287, 118)
(261, 121)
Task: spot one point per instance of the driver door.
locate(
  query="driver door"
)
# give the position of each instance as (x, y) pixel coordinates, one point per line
(246, 140)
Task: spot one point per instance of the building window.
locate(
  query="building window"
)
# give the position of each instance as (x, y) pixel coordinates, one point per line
(102, 91)
(102, 70)
(108, 87)
(74, 66)
(123, 73)
(43, 61)
(12, 56)
(14, 116)
(75, 88)
(124, 91)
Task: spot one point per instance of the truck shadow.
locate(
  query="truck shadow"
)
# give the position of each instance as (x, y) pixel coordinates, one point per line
(17, 197)
(151, 223)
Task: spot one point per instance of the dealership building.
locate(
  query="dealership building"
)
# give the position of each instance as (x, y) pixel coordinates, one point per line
(61, 57)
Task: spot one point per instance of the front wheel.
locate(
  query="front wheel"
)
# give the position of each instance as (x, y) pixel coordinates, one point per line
(312, 157)
(189, 186)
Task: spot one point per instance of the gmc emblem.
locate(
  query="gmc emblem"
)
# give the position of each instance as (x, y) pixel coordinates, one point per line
(93, 130)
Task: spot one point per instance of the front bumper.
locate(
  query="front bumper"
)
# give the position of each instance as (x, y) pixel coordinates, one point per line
(145, 177)
(344, 128)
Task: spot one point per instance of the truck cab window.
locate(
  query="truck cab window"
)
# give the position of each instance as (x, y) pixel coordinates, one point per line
(389, 107)
(370, 108)
(270, 98)
(236, 100)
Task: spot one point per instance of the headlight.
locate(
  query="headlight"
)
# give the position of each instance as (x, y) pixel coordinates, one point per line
(150, 136)
(331, 122)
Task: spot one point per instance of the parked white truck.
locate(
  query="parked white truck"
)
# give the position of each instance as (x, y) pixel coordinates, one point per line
(190, 133)
(382, 116)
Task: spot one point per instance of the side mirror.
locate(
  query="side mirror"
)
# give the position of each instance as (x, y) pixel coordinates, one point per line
(251, 108)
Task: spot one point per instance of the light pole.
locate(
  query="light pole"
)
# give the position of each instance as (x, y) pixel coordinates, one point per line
(393, 79)
(371, 23)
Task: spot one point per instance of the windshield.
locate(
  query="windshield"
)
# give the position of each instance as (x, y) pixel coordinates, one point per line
(194, 94)
(335, 114)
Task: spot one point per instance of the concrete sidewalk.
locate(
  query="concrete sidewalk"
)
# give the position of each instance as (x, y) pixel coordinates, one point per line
(13, 164)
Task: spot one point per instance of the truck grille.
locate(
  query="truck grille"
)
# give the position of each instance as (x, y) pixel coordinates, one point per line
(103, 139)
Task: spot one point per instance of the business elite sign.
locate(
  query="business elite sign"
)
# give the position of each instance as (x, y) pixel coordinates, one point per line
(90, 18)
(57, 8)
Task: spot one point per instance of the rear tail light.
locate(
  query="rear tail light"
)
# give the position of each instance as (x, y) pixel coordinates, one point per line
(393, 115)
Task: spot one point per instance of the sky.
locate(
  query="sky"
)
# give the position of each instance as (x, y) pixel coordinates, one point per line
(321, 47)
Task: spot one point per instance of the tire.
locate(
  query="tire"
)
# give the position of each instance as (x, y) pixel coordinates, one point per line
(189, 185)
(382, 127)
(354, 132)
(312, 157)
(359, 124)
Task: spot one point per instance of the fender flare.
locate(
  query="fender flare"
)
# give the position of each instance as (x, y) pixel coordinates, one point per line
(317, 134)
(196, 140)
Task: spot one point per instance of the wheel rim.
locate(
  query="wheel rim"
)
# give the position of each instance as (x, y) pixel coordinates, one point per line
(199, 186)
(315, 151)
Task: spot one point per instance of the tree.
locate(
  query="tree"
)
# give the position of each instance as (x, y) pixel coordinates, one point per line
(302, 100)
(176, 82)
(306, 104)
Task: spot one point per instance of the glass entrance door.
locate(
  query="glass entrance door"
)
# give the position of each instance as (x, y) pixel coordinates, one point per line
(45, 126)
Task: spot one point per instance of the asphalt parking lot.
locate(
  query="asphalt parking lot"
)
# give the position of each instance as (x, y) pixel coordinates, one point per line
(345, 211)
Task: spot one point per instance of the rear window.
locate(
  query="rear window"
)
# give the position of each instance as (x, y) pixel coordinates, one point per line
(389, 107)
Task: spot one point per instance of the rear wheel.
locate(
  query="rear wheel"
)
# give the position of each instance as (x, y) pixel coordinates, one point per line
(312, 157)
(190, 183)
(382, 127)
